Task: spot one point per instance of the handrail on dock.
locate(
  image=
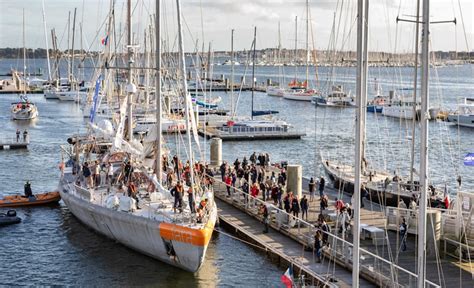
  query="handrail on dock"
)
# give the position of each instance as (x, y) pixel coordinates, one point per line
(250, 206)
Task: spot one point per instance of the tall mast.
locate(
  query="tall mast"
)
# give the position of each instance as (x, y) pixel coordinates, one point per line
(425, 68)
(130, 88)
(280, 80)
(361, 100)
(72, 44)
(253, 64)
(147, 72)
(232, 74)
(159, 166)
(24, 54)
(46, 43)
(68, 37)
(296, 45)
(307, 41)
(412, 155)
(187, 100)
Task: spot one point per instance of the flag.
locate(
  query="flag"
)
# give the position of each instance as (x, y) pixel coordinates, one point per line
(95, 99)
(105, 40)
(469, 159)
(287, 278)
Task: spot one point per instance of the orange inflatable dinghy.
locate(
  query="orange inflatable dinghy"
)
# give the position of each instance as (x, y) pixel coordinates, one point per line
(35, 200)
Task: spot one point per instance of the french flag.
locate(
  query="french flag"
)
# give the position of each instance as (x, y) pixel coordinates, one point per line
(105, 40)
(287, 278)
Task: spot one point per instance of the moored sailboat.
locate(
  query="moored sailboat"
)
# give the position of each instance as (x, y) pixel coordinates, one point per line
(24, 109)
(148, 219)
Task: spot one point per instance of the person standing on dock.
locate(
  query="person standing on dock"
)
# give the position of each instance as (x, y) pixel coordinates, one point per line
(295, 207)
(324, 202)
(245, 189)
(322, 183)
(267, 160)
(304, 208)
(222, 169)
(403, 234)
(326, 229)
(228, 183)
(286, 203)
(25, 135)
(311, 189)
(17, 135)
(318, 245)
(279, 194)
(253, 158)
(263, 189)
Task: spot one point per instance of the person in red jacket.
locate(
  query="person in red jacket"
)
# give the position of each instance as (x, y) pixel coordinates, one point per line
(254, 190)
(228, 183)
(339, 205)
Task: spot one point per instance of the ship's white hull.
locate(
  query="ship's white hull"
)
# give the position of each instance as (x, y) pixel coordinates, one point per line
(298, 96)
(143, 234)
(167, 126)
(76, 96)
(275, 91)
(49, 94)
(403, 112)
(462, 120)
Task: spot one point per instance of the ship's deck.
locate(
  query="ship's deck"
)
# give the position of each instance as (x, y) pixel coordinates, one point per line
(160, 210)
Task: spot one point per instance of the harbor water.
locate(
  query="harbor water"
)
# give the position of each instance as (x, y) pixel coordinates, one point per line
(52, 247)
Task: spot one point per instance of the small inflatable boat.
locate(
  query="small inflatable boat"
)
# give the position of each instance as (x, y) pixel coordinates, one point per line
(35, 200)
(9, 218)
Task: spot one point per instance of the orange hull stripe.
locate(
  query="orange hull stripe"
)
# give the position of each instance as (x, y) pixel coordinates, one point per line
(198, 237)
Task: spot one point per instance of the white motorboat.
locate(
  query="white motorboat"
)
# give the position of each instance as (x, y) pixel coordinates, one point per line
(275, 91)
(336, 98)
(402, 109)
(464, 116)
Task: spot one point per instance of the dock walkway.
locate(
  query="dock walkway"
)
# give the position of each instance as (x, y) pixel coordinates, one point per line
(381, 263)
(12, 143)
(284, 247)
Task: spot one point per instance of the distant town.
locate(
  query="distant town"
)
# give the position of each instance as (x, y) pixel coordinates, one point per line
(273, 56)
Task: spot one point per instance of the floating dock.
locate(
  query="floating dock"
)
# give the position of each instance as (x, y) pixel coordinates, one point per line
(12, 144)
(290, 242)
(212, 132)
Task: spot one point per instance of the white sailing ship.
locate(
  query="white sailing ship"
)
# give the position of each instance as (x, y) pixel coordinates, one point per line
(143, 219)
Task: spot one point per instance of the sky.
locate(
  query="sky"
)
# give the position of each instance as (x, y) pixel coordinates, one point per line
(212, 21)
